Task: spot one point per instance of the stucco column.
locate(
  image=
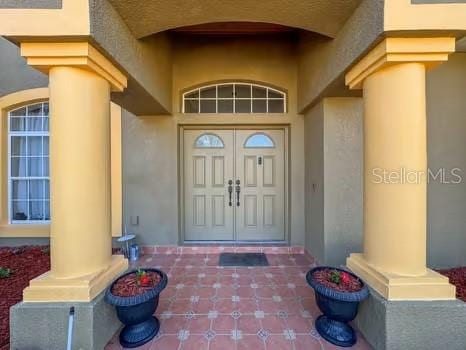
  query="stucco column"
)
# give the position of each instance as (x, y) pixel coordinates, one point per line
(392, 77)
(80, 82)
(395, 139)
(79, 172)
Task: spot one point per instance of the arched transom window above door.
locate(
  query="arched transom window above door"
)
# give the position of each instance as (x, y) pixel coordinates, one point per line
(234, 98)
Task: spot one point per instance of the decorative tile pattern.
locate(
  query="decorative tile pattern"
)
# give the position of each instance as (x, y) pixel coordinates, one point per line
(313, 333)
(189, 315)
(282, 314)
(236, 334)
(236, 314)
(210, 334)
(289, 334)
(305, 314)
(183, 334)
(166, 315)
(259, 314)
(212, 314)
(263, 334)
(207, 307)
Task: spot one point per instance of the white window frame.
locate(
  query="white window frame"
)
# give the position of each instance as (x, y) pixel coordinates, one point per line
(216, 98)
(259, 134)
(11, 179)
(209, 147)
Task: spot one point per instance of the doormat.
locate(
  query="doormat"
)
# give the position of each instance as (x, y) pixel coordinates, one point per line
(243, 259)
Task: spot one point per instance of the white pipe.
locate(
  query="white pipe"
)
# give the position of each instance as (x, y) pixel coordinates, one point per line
(70, 329)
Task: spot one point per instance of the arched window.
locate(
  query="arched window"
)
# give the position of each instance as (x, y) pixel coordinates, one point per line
(209, 141)
(234, 98)
(259, 140)
(28, 166)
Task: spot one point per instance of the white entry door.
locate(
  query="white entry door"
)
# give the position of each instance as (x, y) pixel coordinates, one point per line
(234, 185)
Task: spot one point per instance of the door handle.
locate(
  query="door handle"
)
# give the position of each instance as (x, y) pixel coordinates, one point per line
(230, 191)
(238, 190)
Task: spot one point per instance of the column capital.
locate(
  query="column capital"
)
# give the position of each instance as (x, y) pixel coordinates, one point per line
(45, 55)
(430, 51)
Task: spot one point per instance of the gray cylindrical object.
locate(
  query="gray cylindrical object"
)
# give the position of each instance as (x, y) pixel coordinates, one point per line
(134, 252)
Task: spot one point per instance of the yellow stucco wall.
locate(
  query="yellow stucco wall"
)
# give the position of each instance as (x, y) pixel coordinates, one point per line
(71, 19)
(406, 15)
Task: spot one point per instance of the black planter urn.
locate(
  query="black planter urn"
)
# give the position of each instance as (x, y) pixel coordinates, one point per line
(338, 309)
(137, 312)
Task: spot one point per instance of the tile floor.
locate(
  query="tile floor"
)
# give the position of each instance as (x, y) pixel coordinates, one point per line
(206, 307)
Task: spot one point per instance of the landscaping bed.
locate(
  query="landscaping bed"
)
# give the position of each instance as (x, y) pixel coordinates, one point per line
(457, 277)
(24, 264)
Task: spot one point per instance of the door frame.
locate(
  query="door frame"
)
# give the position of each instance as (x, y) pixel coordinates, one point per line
(181, 191)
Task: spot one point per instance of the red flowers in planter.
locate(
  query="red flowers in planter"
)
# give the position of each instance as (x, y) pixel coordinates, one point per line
(339, 280)
(143, 278)
(135, 283)
(345, 278)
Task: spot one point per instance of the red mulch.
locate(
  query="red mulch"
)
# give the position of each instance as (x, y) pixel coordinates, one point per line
(25, 263)
(323, 277)
(128, 285)
(457, 277)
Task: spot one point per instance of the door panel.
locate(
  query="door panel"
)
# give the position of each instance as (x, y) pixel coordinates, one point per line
(250, 171)
(218, 171)
(258, 163)
(260, 168)
(269, 171)
(207, 169)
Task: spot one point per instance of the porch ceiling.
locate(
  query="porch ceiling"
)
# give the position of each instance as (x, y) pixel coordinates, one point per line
(321, 16)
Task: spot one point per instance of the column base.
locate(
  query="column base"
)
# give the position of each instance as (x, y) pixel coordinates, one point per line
(431, 286)
(45, 325)
(46, 288)
(412, 324)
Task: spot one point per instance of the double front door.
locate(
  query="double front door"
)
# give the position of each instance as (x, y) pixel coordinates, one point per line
(234, 185)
